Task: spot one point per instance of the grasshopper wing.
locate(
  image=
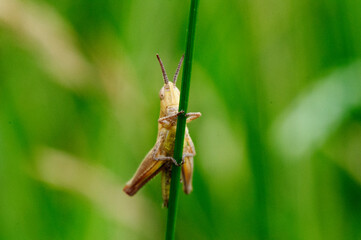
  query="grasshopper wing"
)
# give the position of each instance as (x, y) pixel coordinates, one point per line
(146, 171)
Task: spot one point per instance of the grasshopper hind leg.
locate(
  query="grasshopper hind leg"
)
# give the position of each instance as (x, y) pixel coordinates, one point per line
(187, 167)
(166, 178)
(145, 172)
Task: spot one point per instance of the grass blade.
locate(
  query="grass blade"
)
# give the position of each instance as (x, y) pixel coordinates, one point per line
(181, 124)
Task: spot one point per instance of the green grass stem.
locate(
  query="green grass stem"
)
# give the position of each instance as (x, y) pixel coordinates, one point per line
(181, 124)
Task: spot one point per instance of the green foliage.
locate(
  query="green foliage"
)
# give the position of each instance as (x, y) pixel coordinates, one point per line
(278, 144)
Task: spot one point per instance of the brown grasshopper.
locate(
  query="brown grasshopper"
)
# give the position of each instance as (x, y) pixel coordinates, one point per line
(160, 157)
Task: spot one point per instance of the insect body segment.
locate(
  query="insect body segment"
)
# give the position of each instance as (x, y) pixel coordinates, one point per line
(160, 157)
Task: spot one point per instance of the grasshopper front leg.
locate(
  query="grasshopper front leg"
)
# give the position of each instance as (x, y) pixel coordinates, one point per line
(170, 120)
(192, 116)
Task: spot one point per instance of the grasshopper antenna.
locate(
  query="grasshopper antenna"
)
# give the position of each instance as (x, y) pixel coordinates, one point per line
(163, 70)
(178, 68)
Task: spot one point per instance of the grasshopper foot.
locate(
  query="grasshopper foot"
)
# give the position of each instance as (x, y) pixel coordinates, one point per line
(186, 155)
(175, 162)
(169, 158)
(180, 112)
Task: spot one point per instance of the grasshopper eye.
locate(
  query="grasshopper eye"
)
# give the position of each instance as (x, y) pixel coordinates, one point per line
(161, 94)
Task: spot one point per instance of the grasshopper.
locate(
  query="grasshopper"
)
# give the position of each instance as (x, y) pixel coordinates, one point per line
(160, 157)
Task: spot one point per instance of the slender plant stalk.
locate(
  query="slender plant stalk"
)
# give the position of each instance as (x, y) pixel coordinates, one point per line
(181, 123)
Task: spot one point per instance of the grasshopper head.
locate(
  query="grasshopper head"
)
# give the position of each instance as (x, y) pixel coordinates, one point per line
(169, 93)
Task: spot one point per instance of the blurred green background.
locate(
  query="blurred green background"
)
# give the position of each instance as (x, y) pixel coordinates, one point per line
(278, 145)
